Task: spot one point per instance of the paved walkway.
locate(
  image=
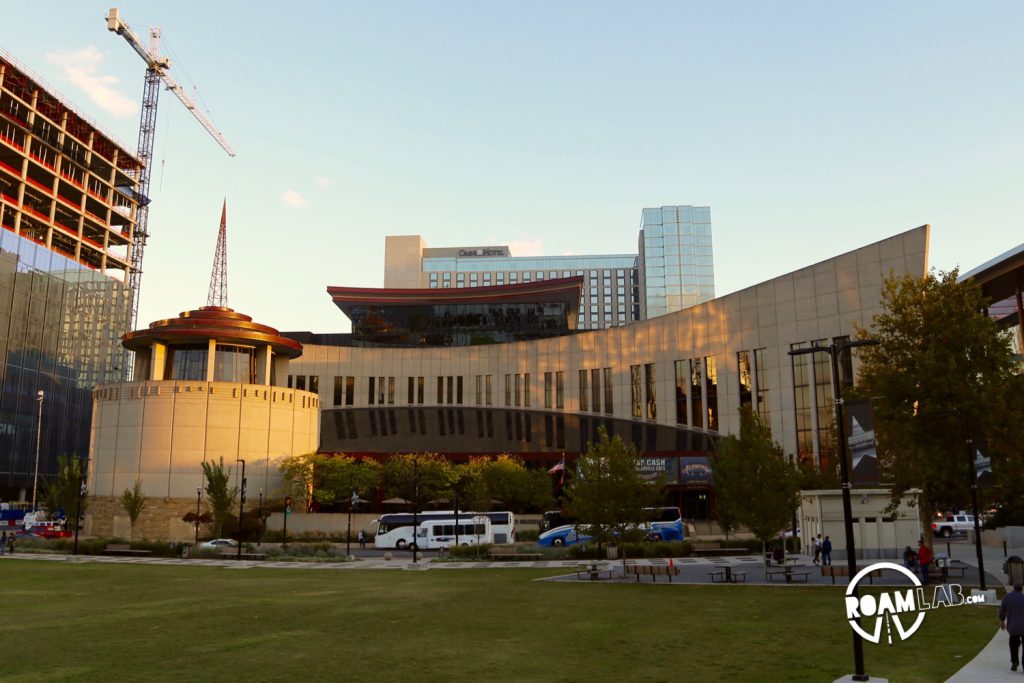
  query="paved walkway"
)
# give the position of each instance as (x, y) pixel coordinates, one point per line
(991, 665)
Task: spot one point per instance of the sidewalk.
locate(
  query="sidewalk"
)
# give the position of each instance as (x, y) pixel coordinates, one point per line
(992, 664)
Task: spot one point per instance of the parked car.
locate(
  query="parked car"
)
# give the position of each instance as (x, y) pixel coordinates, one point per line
(953, 524)
(219, 543)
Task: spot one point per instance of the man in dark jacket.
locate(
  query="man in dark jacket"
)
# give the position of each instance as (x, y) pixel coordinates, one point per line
(1011, 620)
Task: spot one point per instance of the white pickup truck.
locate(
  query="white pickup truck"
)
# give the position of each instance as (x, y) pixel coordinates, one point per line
(953, 524)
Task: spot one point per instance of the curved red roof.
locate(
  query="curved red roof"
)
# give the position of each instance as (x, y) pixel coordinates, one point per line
(211, 322)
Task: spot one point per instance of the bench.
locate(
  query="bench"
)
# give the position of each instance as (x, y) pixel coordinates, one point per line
(512, 555)
(716, 549)
(124, 549)
(955, 569)
(653, 571)
(231, 555)
(789, 573)
(835, 570)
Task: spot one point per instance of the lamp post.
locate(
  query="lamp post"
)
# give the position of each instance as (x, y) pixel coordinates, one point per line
(260, 516)
(40, 395)
(199, 498)
(973, 474)
(241, 509)
(351, 504)
(833, 350)
(415, 507)
(82, 491)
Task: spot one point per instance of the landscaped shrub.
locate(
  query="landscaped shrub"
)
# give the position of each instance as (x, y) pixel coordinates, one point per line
(470, 552)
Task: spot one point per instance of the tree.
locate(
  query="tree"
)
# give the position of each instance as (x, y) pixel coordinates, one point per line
(417, 477)
(936, 379)
(219, 496)
(133, 501)
(63, 493)
(330, 479)
(754, 480)
(608, 493)
(503, 478)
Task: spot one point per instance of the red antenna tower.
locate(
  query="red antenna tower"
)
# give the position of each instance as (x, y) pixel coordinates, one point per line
(218, 295)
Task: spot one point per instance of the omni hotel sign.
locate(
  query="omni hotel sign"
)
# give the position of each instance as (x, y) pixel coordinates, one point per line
(482, 252)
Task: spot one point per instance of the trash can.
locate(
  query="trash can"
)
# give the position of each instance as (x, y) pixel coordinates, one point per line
(613, 552)
(1014, 569)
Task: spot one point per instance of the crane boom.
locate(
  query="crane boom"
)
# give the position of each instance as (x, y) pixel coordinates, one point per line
(157, 67)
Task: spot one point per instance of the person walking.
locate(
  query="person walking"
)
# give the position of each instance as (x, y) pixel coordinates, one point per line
(1011, 620)
(362, 538)
(924, 558)
(3, 543)
(826, 551)
(817, 549)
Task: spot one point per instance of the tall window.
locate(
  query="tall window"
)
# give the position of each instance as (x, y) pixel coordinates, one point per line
(371, 390)
(380, 391)
(519, 389)
(391, 390)
(300, 382)
(652, 398)
(559, 390)
(595, 389)
(458, 389)
(746, 378)
(339, 390)
(488, 387)
(548, 388)
(440, 390)
(314, 381)
(823, 394)
(584, 390)
(350, 391)
(764, 408)
(711, 368)
(696, 394)
(411, 397)
(634, 385)
(802, 403)
(508, 390)
(479, 389)
(451, 394)
(526, 389)
(609, 406)
(420, 383)
(682, 368)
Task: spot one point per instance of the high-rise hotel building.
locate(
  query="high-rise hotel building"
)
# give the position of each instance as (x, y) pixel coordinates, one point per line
(68, 200)
(673, 269)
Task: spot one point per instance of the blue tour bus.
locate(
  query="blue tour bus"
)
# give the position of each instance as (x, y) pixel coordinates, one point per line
(558, 529)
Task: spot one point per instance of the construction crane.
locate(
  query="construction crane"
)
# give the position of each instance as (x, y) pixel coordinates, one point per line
(157, 71)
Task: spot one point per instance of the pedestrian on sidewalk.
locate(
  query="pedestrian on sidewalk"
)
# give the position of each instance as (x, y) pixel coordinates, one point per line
(924, 558)
(1011, 620)
(817, 548)
(826, 551)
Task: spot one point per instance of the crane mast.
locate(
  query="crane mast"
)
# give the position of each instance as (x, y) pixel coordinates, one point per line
(157, 67)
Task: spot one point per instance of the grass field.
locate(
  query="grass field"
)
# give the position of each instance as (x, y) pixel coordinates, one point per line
(127, 622)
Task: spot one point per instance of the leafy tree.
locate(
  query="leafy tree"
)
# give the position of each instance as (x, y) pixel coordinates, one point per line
(63, 492)
(938, 377)
(219, 495)
(133, 501)
(608, 493)
(330, 479)
(754, 480)
(504, 478)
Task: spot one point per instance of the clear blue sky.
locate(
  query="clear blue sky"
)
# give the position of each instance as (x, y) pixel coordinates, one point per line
(809, 128)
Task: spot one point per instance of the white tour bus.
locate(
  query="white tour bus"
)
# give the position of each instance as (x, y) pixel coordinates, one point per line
(441, 533)
(395, 530)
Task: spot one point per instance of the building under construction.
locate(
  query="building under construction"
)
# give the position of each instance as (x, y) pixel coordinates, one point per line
(69, 202)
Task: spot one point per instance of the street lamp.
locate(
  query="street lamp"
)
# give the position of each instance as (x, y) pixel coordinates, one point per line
(40, 395)
(834, 350)
(415, 507)
(351, 504)
(241, 508)
(199, 498)
(260, 515)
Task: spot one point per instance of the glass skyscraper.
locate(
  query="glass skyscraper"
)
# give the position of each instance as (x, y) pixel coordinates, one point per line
(672, 270)
(676, 261)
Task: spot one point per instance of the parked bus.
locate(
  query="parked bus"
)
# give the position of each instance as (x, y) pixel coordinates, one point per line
(559, 529)
(441, 533)
(395, 530)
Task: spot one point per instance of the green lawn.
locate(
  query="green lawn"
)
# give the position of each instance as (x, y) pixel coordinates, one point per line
(109, 622)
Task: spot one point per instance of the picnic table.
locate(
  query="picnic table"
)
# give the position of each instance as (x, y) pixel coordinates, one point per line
(592, 570)
(789, 572)
(724, 574)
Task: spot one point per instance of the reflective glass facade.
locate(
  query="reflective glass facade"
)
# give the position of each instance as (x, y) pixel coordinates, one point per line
(60, 332)
(676, 261)
(456, 324)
